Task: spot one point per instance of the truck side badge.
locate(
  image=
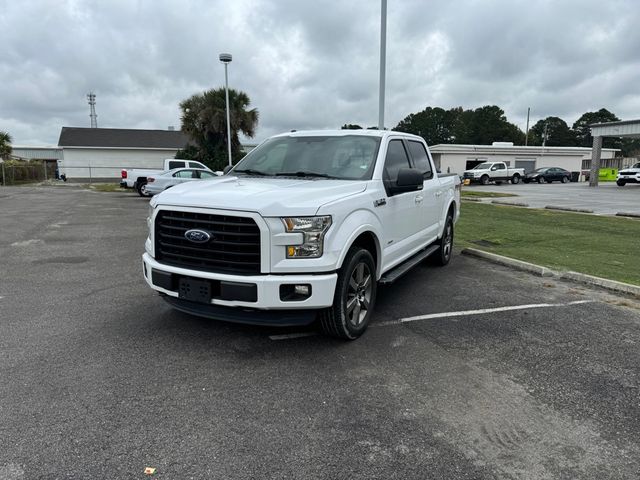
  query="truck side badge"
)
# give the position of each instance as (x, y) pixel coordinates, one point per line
(379, 203)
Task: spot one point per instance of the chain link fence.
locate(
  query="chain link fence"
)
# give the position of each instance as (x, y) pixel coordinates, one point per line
(14, 172)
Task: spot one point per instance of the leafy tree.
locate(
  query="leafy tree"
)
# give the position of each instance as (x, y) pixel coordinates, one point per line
(558, 133)
(189, 152)
(583, 131)
(484, 126)
(204, 120)
(5, 145)
(350, 126)
(481, 126)
(435, 125)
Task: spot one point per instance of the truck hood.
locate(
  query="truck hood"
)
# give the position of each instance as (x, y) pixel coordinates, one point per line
(270, 197)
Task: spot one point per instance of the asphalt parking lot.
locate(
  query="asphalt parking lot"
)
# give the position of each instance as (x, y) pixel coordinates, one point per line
(529, 378)
(606, 199)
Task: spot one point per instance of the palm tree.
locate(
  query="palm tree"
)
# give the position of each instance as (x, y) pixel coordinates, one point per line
(5, 144)
(204, 120)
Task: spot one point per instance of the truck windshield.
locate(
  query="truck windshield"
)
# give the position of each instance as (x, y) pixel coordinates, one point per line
(346, 157)
(483, 166)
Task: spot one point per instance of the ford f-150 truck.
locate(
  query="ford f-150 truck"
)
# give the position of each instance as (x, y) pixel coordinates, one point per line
(304, 228)
(497, 172)
(137, 178)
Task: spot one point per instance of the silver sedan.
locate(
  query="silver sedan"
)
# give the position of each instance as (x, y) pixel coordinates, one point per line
(169, 178)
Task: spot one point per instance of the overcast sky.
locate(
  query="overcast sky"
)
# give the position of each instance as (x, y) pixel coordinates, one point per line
(312, 64)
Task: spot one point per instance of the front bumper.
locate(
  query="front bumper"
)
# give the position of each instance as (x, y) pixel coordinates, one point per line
(267, 287)
(628, 179)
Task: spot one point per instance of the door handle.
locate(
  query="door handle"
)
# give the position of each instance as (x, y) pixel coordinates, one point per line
(419, 199)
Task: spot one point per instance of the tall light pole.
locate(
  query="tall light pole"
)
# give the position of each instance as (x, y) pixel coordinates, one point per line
(226, 59)
(383, 60)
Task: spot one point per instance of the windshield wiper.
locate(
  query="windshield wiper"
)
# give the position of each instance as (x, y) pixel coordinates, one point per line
(301, 173)
(250, 171)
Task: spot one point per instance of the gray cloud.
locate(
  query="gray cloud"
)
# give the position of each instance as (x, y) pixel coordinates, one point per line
(312, 64)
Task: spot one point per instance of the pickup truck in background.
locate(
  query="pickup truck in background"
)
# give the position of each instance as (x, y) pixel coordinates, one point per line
(137, 178)
(497, 172)
(302, 229)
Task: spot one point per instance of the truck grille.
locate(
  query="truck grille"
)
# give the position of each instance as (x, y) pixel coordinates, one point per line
(234, 246)
(467, 175)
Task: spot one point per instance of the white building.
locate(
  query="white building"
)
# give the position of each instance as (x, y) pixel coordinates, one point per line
(101, 153)
(452, 158)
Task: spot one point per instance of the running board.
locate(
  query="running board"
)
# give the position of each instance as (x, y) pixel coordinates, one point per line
(395, 273)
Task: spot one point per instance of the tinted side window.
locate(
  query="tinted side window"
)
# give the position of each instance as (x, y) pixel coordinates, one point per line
(396, 159)
(207, 175)
(195, 165)
(184, 174)
(176, 164)
(420, 158)
(500, 166)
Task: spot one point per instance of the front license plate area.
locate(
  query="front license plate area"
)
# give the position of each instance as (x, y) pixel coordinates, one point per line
(194, 290)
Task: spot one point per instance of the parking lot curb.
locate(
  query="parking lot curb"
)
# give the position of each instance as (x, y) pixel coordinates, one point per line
(510, 262)
(510, 204)
(541, 271)
(568, 209)
(602, 283)
(628, 214)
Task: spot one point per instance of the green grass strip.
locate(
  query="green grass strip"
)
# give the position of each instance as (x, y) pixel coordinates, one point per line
(602, 246)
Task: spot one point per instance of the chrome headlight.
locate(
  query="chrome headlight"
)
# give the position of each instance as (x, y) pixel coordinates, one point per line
(312, 229)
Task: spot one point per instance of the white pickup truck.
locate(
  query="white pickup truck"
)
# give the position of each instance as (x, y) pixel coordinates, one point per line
(497, 172)
(137, 178)
(304, 228)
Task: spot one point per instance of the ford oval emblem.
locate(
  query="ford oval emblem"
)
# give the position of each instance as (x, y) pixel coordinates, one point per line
(197, 236)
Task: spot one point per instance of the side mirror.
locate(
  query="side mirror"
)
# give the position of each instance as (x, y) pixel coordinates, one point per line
(409, 180)
(493, 169)
(226, 169)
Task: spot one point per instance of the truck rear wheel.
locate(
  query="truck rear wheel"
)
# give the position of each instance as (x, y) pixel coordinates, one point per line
(141, 188)
(354, 297)
(484, 180)
(515, 179)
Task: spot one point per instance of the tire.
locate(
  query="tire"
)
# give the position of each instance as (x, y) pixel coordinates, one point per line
(525, 180)
(621, 183)
(565, 179)
(445, 251)
(515, 179)
(484, 179)
(540, 179)
(354, 298)
(141, 188)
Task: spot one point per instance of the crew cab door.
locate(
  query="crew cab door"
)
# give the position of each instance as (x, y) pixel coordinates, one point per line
(499, 170)
(401, 216)
(431, 208)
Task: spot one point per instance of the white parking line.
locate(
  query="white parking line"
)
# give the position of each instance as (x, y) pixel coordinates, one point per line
(462, 313)
(480, 311)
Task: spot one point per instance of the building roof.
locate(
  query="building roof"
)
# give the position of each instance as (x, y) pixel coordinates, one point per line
(121, 138)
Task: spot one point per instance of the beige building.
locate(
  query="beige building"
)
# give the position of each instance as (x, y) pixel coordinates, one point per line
(453, 158)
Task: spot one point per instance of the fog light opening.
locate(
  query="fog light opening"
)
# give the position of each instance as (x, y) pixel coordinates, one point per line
(295, 292)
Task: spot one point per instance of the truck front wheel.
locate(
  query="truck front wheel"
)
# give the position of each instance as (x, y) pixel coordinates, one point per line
(354, 297)
(445, 252)
(484, 180)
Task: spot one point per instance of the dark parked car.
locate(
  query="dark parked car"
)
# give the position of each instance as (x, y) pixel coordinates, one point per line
(548, 175)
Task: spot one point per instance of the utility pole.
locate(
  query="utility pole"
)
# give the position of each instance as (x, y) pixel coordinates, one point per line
(383, 60)
(544, 135)
(226, 59)
(91, 97)
(526, 136)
